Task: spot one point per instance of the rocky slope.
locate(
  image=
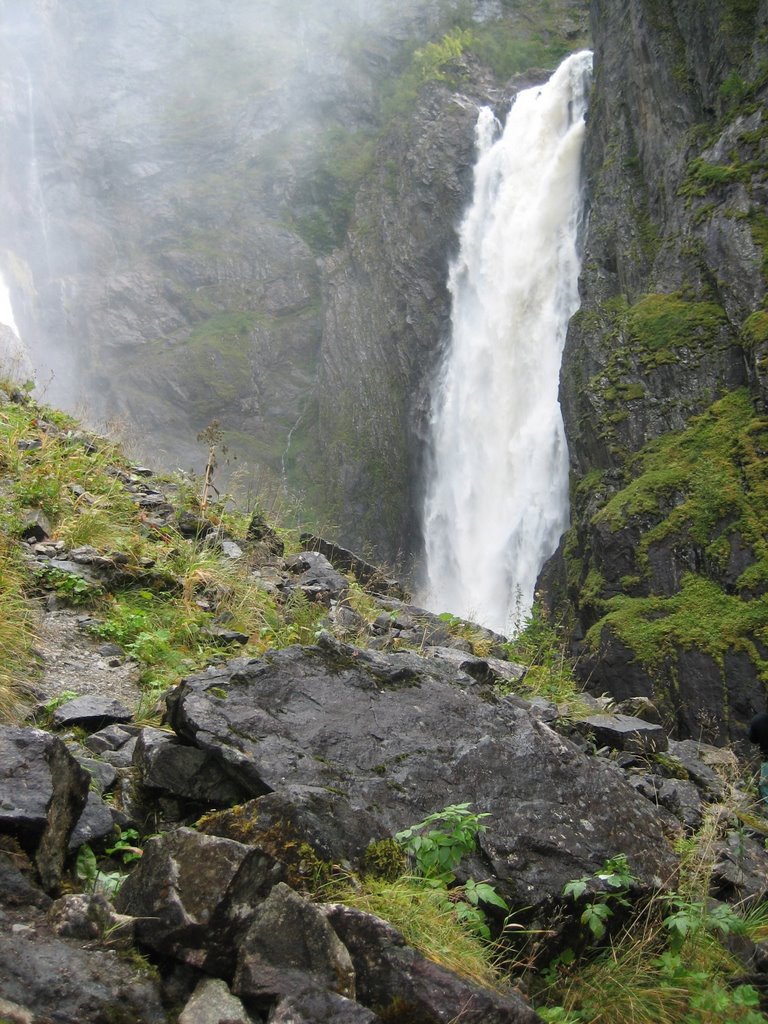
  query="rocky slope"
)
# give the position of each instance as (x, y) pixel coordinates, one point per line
(662, 384)
(225, 863)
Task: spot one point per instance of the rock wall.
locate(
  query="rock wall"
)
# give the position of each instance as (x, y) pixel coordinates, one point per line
(174, 175)
(663, 384)
(244, 213)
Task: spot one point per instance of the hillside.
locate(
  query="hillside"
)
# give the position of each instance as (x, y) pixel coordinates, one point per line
(282, 716)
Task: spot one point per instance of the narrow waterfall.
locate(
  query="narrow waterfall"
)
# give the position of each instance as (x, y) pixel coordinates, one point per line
(497, 493)
(14, 358)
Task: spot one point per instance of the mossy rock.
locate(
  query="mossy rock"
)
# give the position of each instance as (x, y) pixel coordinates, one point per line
(305, 869)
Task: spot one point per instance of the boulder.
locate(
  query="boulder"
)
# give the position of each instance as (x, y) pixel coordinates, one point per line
(35, 525)
(624, 732)
(399, 737)
(740, 872)
(281, 822)
(213, 1003)
(320, 1008)
(372, 577)
(697, 760)
(317, 578)
(16, 889)
(113, 737)
(92, 712)
(195, 894)
(391, 974)
(290, 948)
(42, 793)
(56, 981)
(96, 822)
(183, 771)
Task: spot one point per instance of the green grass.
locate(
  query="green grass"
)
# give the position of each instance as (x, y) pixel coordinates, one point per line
(428, 923)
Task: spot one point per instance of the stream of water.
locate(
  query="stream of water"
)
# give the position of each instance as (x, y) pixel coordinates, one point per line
(497, 493)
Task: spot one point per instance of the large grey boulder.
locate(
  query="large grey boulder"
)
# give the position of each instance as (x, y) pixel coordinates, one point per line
(43, 791)
(391, 974)
(55, 980)
(398, 737)
(290, 948)
(194, 895)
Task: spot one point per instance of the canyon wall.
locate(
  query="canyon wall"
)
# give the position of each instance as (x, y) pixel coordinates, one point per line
(663, 572)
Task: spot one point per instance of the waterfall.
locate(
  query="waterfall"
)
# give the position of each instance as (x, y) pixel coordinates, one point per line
(497, 492)
(14, 358)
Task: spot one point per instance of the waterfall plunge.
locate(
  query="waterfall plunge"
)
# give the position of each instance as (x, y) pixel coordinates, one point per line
(497, 498)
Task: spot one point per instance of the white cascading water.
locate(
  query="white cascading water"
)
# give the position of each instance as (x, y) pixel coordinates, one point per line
(497, 496)
(14, 358)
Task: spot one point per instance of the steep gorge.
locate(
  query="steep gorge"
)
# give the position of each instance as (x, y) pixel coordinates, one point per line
(255, 225)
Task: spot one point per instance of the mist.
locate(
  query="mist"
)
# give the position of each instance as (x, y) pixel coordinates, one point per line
(162, 164)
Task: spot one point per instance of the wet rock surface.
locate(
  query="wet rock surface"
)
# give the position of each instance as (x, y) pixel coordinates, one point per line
(398, 736)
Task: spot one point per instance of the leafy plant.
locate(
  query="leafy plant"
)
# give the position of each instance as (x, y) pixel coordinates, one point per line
(91, 876)
(125, 846)
(69, 586)
(438, 844)
(615, 879)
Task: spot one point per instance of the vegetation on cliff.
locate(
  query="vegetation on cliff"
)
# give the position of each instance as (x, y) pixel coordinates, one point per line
(664, 373)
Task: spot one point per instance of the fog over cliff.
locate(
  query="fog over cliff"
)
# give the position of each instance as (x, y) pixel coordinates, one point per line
(140, 136)
(245, 212)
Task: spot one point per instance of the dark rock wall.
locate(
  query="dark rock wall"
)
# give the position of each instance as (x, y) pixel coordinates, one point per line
(663, 383)
(386, 314)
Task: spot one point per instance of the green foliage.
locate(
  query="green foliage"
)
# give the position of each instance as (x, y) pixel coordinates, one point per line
(125, 846)
(702, 176)
(342, 159)
(72, 588)
(754, 330)
(16, 633)
(702, 487)
(440, 842)
(689, 917)
(428, 921)
(733, 91)
(298, 622)
(435, 59)
(660, 323)
(615, 879)
(92, 878)
(542, 645)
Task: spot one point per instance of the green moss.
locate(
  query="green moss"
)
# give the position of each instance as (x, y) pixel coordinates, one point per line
(658, 323)
(758, 223)
(384, 859)
(671, 767)
(754, 330)
(703, 176)
(700, 616)
(700, 488)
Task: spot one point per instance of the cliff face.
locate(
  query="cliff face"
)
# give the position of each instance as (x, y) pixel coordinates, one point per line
(386, 312)
(245, 212)
(174, 176)
(663, 383)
